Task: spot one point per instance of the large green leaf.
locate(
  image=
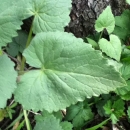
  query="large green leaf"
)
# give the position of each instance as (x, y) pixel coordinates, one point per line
(49, 15)
(112, 48)
(105, 21)
(69, 71)
(11, 17)
(7, 79)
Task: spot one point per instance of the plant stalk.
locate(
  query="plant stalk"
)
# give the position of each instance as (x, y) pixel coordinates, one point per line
(27, 44)
(26, 120)
(22, 69)
(99, 125)
(100, 36)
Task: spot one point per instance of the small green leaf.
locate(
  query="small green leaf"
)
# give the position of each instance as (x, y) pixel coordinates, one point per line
(105, 21)
(126, 96)
(67, 71)
(66, 125)
(82, 116)
(99, 107)
(107, 107)
(114, 109)
(92, 42)
(112, 48)
(79, 114)
(7, 79)
(73, 110)
(49, 123)
(18, 44)
(122, 28)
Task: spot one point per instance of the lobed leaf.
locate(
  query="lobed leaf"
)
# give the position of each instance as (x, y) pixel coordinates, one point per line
(49, 15)
(68, 71)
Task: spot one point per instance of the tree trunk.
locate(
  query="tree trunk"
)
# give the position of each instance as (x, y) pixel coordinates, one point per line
(85, 12)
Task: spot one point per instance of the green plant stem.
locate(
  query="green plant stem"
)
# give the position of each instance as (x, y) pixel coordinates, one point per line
(99, 125)
(100, 36)
(26, 120)
(27, 44)
(22, 69)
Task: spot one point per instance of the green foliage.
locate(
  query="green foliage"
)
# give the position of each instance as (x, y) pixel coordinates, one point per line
(105, 21)
(79, 114)
(59, 74)
(18, 44)
(68, 73)
(122, 28)
(112, 48)
(93, 43)
(50, 121)
(49, 15)
(114, 109)
(66, 125)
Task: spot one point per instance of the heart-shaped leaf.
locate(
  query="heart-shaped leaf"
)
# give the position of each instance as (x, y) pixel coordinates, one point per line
(69, 71)
(7, 79)
(105, 21)
(112, 48)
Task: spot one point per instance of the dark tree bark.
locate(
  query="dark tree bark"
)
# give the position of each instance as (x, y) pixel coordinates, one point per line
(85, 12)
